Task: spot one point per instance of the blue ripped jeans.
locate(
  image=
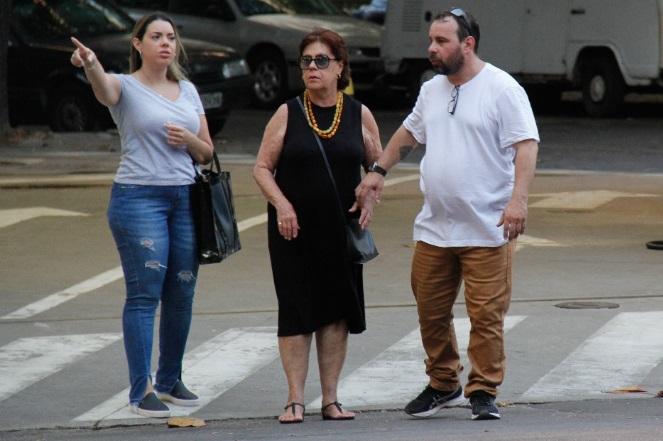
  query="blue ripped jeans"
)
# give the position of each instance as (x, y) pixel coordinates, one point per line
(154, 232)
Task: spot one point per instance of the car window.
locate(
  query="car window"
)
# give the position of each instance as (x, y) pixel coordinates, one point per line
(46, 19)
(204, 8)
(309, 7)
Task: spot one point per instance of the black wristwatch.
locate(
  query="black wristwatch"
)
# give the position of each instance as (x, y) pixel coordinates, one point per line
(377, 169)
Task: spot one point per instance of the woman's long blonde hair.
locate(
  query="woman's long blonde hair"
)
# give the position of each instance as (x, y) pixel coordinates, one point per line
(175, 70)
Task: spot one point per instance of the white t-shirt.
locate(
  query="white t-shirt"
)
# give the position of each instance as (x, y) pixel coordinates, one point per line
(140, 115)
(467, 173)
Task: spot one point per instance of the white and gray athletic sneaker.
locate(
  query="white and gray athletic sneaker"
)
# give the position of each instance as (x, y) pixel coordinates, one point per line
(430, 401)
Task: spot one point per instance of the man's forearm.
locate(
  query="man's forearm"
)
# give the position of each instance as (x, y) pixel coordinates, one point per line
(525, 165)
(398, 147)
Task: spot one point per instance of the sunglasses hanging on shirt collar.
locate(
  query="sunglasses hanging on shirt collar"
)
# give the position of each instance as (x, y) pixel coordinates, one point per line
(451, 107)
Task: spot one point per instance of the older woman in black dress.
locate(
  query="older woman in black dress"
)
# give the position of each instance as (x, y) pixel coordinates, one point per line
(319, 291)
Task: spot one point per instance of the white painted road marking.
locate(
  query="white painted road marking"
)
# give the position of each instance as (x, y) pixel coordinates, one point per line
(209, 370)
(114, 274)
(582, 200)
(531, 241)
(619, 354)
(26, 361)
(15, 215)
(65, 295)
(398, 374)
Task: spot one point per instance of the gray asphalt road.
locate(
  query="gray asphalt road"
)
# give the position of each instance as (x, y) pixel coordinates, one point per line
(585, 242)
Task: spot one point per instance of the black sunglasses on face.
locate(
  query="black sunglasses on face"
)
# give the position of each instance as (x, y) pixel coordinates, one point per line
(461, 17)
(321, 61)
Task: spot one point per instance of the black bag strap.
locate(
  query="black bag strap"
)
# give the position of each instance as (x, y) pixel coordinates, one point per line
(215, 161)
(324, 157)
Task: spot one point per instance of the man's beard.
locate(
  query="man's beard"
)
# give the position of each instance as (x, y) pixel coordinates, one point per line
(452, 66)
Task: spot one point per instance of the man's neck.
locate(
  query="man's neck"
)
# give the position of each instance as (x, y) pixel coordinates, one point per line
(473, 65)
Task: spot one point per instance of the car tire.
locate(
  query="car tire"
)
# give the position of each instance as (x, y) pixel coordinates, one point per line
(71, 109)
(270, 87)
(418, 76)
(603, 87)
(214, 126)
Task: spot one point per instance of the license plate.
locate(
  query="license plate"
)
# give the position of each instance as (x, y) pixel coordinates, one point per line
(212, 100)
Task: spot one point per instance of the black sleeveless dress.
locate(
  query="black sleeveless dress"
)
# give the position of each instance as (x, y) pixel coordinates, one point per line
(315, 284)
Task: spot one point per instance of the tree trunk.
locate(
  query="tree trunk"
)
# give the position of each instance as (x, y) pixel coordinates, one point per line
(5, 8)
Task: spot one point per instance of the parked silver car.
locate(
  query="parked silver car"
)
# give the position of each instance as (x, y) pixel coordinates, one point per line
(268, 32)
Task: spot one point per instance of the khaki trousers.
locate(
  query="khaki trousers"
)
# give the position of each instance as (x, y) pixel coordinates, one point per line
(436, 277)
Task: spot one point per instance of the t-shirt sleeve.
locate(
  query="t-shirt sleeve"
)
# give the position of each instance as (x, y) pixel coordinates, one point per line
(516, 119)
(414, 123)
(117, 108)
(194, 97)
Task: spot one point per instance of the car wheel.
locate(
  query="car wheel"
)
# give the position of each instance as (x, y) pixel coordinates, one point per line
(270, 85)
(603, 87)
(417, 78)
(214, 126)
(71, 110)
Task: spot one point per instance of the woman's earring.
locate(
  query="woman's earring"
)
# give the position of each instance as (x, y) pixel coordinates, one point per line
(338, 76)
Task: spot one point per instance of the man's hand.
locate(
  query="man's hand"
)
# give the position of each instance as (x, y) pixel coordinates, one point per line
(368, 195)
(514, 218)
(367, 205)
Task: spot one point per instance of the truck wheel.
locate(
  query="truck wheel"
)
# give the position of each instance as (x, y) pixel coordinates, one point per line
(71, 110)
(269, 70)
(603, 87)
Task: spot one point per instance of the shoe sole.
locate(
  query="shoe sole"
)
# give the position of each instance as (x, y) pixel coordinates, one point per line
(177, 401)
(486, 416)
(454, 402)
(151, 413)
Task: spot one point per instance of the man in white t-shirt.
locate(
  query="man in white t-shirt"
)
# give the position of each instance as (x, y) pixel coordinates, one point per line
(481, 146)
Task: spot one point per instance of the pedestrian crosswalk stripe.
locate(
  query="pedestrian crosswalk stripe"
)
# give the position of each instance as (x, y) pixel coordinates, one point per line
(26, 361)
(209, 370)
(398, 374)
(619, 354)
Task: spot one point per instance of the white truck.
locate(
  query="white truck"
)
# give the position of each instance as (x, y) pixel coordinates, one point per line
(605, 48)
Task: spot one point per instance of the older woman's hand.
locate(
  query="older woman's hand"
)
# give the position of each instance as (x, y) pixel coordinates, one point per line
(286, 219)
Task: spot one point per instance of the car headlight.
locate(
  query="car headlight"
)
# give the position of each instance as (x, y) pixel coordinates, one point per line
(235, 68)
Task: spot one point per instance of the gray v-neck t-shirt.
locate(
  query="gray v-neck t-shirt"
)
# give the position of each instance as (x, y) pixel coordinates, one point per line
(141, 114)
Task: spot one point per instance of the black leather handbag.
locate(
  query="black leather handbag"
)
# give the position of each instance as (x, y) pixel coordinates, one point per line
(360, 246)
(214, 214)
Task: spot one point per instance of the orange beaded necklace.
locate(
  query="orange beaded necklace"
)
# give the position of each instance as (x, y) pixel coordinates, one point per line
(336, 122)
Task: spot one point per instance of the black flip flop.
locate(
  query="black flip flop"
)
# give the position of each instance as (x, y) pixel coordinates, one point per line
(340, 409)
(292, 407)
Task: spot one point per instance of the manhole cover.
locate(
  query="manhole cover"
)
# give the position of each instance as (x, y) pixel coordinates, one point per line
(587, 305)
(655, 245)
